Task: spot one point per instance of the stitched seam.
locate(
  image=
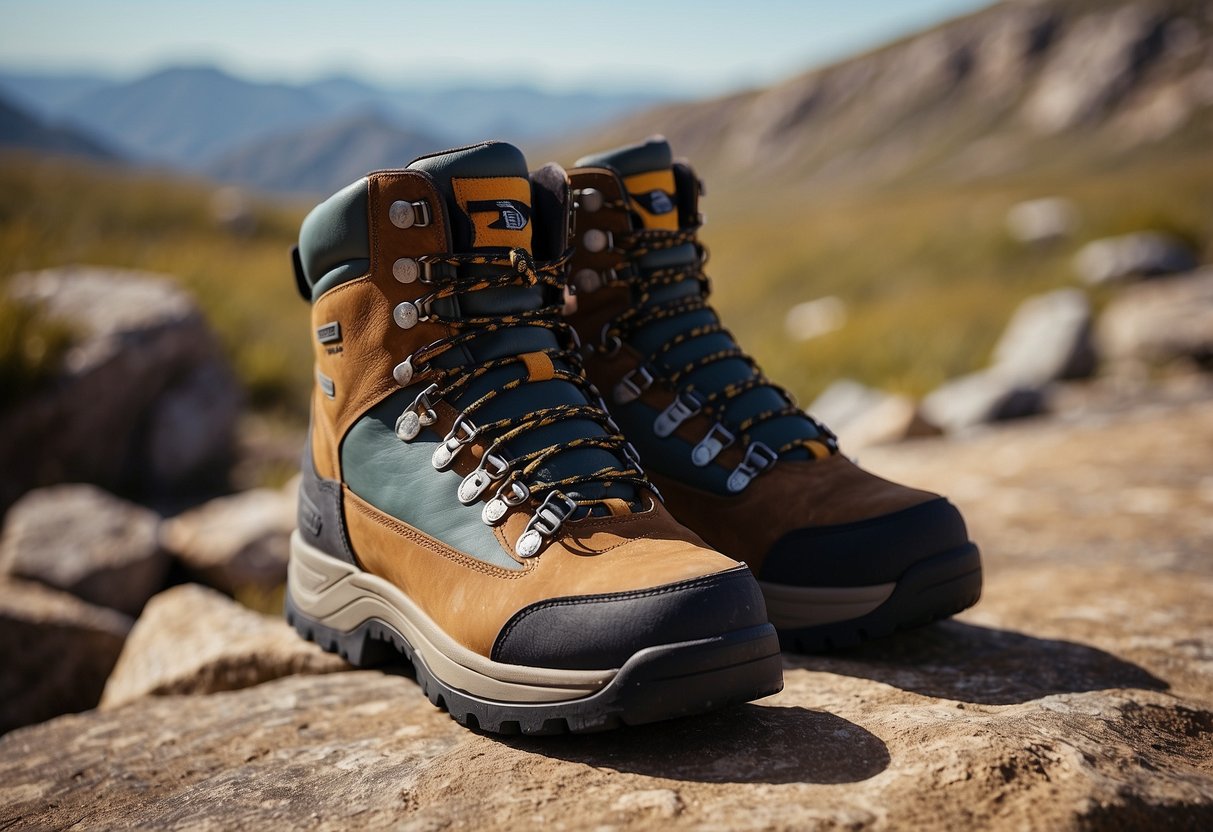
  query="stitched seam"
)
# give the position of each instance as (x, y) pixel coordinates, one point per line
(435, 546)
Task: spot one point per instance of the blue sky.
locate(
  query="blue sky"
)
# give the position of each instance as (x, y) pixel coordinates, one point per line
(685, 47)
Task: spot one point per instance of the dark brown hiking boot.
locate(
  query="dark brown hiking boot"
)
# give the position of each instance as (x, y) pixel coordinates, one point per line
(466, 502)
(841, 555)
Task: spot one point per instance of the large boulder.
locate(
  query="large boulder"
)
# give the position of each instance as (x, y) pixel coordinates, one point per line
(1048, 339)
(144, 401)
(194, 640)
(1160, 321)
(984, 396)
(862, 416)
(1142, 254)
(85, 541)
(55, 653)
(235, 542)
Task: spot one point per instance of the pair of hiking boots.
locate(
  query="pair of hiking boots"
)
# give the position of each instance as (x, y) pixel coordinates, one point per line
(497, 352)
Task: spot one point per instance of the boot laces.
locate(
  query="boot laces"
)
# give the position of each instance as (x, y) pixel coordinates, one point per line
(515, 477)
(644, 283)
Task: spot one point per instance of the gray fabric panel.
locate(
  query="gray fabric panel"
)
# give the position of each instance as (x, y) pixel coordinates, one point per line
(397, 478)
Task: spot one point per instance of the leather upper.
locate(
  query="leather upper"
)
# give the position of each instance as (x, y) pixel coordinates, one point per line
(820, 519)
(620, 560)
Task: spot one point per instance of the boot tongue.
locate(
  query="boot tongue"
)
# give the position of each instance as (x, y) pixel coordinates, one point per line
(648, 176)
(488, 200)
(488, 195)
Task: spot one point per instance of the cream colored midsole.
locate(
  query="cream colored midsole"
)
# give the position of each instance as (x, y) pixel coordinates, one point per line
(342, 597)
(798, 606)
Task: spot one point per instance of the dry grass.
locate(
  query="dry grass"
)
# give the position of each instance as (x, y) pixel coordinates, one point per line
(928, 273)
(930, 277)
(54, 213)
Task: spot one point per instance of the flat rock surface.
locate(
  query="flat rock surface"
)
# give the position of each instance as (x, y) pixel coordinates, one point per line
(1078, 693)
(191, 639)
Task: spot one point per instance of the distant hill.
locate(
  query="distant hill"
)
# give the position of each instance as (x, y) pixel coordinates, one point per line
(1045, 85)
(20, 129)
(470, 114)
(194, 118)
(319, 160)
(186, 117)
(48, 96)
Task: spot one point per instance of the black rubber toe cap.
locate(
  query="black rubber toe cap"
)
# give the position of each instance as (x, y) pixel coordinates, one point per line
(597, 632)
(874, 551)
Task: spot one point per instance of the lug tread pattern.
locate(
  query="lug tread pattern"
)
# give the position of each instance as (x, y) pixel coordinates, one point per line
(749, 667)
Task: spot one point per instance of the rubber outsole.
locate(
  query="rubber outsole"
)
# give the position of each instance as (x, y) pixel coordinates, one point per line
(931, 590)
(657, 683)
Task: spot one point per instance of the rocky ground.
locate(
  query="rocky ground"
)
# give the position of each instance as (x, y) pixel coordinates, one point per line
(1077, 694)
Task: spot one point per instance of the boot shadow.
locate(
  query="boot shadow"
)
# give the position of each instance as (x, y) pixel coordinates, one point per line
(981, 665)
(743, 744)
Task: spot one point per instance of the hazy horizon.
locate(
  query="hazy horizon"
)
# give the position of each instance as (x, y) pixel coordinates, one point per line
(683, 49)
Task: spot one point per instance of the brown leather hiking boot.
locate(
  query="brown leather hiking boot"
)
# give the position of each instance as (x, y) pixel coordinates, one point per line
(466, 502)
(841, 555)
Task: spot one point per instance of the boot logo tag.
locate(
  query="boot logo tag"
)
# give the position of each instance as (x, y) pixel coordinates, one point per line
(656, 201)
(511, 218)
(329, 333)
(512, 215)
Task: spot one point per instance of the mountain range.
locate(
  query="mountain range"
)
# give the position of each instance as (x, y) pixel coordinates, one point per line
(1023, 85)
(24, 130)
(205, 120)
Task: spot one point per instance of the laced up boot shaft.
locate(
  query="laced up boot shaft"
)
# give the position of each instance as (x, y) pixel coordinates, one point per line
(841, 555)
(466, 501)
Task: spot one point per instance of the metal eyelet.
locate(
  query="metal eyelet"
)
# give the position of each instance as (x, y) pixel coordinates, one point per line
(417, 415)
(406, 270)
(408, 314)
(717, 439)
(588, 199)
(758, 458)
(405, 315)
(403, 372)
(595, 240)
(609, 344)
(682, 408)
(405, 214)
(463, 433)
(587, 281)
(511, 493)
(632, 385)
(545, 522)
(492, 467)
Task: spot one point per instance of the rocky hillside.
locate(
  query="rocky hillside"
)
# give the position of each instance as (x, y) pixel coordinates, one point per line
(1023, 85)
